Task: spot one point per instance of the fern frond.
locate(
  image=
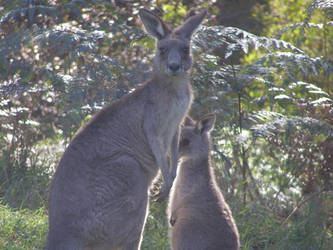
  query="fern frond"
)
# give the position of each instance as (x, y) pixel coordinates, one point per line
(318, 4)
(303, 62)
(29, 14)
(234, 39)
(279, 126)
(302, 26)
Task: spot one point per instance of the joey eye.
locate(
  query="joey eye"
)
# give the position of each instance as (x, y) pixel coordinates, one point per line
(163, 50)
(184, 142)
(186, 50)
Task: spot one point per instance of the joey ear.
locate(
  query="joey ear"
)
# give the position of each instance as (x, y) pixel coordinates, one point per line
(187, 29)
(188, 121)
(153, 24)
(206, 123)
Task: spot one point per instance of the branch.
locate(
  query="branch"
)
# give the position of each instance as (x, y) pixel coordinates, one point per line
(301, 203)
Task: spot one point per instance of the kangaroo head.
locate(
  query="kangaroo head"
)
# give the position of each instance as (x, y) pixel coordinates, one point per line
(173, 52)
(195, 137)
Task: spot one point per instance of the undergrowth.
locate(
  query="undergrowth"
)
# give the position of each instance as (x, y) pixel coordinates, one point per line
(260, 227)
(22, 229)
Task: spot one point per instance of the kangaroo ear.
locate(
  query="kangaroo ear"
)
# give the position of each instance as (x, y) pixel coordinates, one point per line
(153, 24)
(188, 121)
(187, 29)
(206, 123)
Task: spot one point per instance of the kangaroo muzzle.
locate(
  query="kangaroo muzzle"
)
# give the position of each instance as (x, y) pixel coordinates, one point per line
(174, 62)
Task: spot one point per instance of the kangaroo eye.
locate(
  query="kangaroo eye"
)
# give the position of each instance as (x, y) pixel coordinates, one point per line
(184, 142)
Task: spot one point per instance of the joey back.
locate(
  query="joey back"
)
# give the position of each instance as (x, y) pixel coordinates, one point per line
(200, 219)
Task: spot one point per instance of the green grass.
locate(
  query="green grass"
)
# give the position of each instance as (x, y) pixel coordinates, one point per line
(22, 229)
(155, 235)
(265, 228)
(269, 226)
(259, 228)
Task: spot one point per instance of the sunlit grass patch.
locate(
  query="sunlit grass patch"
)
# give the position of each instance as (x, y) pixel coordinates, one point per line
(22, 229)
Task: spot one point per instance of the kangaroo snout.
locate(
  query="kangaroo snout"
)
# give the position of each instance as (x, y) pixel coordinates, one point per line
(174, 68)
(174, 62)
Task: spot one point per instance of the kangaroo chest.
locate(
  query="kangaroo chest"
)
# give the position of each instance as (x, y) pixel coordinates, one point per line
(174, 110)
(178, 107)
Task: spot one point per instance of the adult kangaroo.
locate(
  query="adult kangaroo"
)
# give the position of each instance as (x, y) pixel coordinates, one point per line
(200, 219)
(99, 192)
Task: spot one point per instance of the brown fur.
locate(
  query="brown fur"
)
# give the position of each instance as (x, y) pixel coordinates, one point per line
(99, 192)
(200, 219)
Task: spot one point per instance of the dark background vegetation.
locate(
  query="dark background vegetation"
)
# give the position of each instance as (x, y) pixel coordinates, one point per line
(263, 67)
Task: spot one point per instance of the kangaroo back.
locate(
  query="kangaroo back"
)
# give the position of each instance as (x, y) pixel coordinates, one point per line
(199, 216)
(99, 192)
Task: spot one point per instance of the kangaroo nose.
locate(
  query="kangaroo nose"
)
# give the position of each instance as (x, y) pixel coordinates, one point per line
(174, 67)
(174, 61)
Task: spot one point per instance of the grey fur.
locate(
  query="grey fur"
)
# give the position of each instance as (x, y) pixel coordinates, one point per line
(200, 219)
(99, 192)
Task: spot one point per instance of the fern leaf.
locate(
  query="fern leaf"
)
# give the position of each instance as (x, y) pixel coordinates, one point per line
(279, 126)
(234, 39)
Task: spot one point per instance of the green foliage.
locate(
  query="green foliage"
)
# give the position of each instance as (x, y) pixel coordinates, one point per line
(24, 180)
(62, 61)
(22, 229)
(275, 118)
(263, 227)
(57, 65)
(156, 229)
